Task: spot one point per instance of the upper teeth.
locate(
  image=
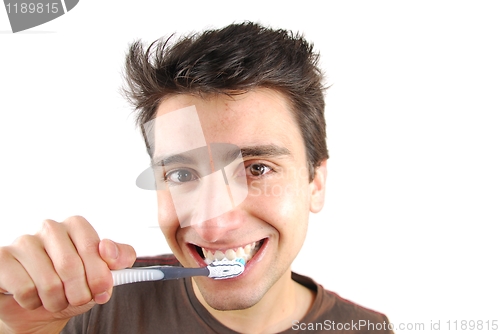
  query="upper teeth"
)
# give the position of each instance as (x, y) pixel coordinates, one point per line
(244, 252)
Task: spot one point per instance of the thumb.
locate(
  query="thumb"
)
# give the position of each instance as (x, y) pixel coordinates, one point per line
(116, 255)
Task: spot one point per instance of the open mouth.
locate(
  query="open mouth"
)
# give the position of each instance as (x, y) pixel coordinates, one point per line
(245, 252)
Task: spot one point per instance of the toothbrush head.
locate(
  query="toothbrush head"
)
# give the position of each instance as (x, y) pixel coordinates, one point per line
(240, 260)
(223, 269)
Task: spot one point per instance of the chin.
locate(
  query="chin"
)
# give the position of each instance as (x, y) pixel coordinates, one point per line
(230, 302)
(225, 298)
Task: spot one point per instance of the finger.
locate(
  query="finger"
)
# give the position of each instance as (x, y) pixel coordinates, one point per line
(116, 255)
(66, 261)
(15, 280)
(86, 241)
(29, 251)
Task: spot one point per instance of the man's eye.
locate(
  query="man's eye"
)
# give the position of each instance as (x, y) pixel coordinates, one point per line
(181, 176)
(256, 170)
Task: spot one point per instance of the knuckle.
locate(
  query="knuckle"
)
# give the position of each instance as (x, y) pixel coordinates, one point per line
(49, 227)
(69, 277)
(69, 265)
(79, 300)
(54, 303)
(32, 304)
(89, 246)
(5, 254)
(27, 296)
(51, 287)
(75, 220)
(25, 241)
(100, 282)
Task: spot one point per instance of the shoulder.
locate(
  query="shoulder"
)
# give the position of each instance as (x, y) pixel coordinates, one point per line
(331, 310)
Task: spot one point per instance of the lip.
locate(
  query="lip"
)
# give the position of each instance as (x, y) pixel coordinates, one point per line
(248, 266)
(254, 260)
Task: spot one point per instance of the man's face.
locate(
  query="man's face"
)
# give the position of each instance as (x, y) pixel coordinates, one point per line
(269, 226)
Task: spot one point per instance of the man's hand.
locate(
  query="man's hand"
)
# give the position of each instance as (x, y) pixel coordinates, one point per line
(61, 271)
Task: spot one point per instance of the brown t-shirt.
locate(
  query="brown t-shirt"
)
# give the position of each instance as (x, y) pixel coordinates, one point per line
(172, 307)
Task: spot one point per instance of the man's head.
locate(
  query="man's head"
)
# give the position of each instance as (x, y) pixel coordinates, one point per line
(231, 61)
(259, 90)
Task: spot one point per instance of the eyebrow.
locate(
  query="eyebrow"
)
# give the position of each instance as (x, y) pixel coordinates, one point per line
(264, 151)
(182, 159)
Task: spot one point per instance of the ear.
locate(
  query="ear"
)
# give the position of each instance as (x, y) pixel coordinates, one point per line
(318, 188)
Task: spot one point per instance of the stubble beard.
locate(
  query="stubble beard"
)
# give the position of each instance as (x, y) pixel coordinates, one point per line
(239, 298)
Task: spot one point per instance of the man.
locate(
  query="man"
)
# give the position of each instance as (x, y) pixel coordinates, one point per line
(244, 86)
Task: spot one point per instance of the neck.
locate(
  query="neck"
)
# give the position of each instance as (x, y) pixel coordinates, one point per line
(283, 303)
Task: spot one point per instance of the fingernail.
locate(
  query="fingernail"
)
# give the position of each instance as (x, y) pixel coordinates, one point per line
(101, 298)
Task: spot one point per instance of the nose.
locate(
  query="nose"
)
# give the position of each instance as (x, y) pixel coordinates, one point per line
(215, 214)
(208, 206)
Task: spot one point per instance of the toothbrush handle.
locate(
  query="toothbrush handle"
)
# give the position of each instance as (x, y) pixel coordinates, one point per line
(133, 275)
(173, 272)
(157, 273)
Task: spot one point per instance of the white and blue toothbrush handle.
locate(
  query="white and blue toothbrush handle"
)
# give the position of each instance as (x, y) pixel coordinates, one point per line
(156, 273)
(217, 270)
(222, 269)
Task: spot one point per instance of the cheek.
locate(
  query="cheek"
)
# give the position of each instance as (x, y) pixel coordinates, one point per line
(167, 218)
(284, 204)
(286, 210)
(166, 210)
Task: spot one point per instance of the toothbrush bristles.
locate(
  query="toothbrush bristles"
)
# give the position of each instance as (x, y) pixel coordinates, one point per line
(223, 269)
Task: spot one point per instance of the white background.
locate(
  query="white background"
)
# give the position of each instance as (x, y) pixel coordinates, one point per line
(411, 222)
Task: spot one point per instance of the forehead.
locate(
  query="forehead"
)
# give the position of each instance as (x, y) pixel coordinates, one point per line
(257, 117)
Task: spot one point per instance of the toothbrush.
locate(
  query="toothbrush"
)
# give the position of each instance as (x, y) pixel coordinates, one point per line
(221, 269)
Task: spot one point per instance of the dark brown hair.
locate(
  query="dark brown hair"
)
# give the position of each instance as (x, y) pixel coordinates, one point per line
(233, 60)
